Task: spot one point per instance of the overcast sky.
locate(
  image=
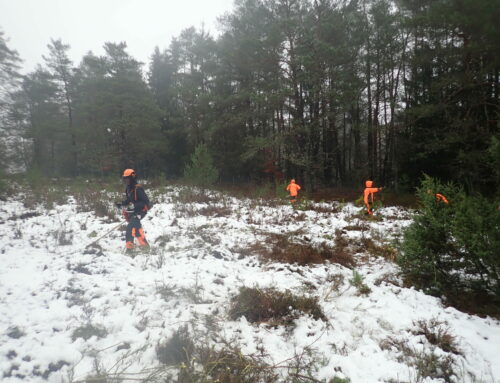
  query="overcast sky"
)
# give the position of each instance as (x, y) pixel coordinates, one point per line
(87, 24)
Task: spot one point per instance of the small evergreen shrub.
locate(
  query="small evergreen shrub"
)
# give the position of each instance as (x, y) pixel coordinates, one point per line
(358, 282)
(201, 171)
(453, 248)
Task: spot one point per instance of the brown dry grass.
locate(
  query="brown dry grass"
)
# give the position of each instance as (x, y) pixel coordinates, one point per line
(330, 209)
(358, 227)
(369, 246)
(190, 195)
(272, 305)
(203, 363)
(438, 333)
(427, 362)
(286, 249)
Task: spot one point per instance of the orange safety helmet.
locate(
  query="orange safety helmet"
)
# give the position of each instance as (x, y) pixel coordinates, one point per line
(129, 173)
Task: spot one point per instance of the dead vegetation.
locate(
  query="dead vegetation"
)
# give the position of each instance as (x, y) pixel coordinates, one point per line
(190, 195)
(191, 210)
(272, 306)
(285, 248)
(357, 227)
(203, 363)
(437, 333)
(322, 208)
(24, 216)
(385, 250)
(428, 361)
(99, 203)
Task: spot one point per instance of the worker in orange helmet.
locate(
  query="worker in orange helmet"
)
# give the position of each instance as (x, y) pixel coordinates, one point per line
(293, 188)
(369, 195)
(137, 205)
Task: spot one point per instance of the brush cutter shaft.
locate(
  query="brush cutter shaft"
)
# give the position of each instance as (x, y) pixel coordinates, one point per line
(105, 234)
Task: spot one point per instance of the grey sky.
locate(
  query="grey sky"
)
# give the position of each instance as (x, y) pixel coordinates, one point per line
(88, 24)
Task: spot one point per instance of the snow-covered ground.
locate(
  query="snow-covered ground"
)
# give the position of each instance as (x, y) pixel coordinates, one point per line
(52, 290)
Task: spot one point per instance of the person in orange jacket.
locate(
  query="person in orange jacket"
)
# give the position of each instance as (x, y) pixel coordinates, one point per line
(136, 198)
(439, 197)
(369, 195)
(293, 188)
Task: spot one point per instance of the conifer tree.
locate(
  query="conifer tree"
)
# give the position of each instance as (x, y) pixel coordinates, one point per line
(201, 170)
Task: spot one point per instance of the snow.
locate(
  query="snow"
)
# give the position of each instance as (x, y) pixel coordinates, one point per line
(48, 290)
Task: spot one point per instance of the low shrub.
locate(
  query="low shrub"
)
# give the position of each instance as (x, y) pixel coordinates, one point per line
(385, 250)
(228, 365)
(437, 333)
(272, 305)
(98, 202)
(203, 363)
(358, 283)
(427, 362)
(281, 248)
(189, 195)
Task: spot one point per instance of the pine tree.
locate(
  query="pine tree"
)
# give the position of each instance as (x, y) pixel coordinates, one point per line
(61, 69)
(201, 170)
(9, 85)
(118, 120)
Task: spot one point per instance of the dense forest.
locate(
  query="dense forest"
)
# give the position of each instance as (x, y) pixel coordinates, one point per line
(326, 91)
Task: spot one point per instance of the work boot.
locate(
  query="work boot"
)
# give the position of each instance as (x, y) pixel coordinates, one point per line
(129, 247)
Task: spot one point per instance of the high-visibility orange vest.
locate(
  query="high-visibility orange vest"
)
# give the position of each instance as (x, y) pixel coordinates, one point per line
(368, 195)
(293, 188)
(441, 198)
(369, 192)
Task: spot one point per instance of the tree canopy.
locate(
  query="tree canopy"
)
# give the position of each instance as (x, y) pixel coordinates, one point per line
(330, 92)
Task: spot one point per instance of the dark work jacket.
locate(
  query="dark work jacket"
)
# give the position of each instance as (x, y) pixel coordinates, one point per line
(135, 194)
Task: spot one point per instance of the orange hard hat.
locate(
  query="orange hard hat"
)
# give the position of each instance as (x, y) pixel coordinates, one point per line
(129, 173)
